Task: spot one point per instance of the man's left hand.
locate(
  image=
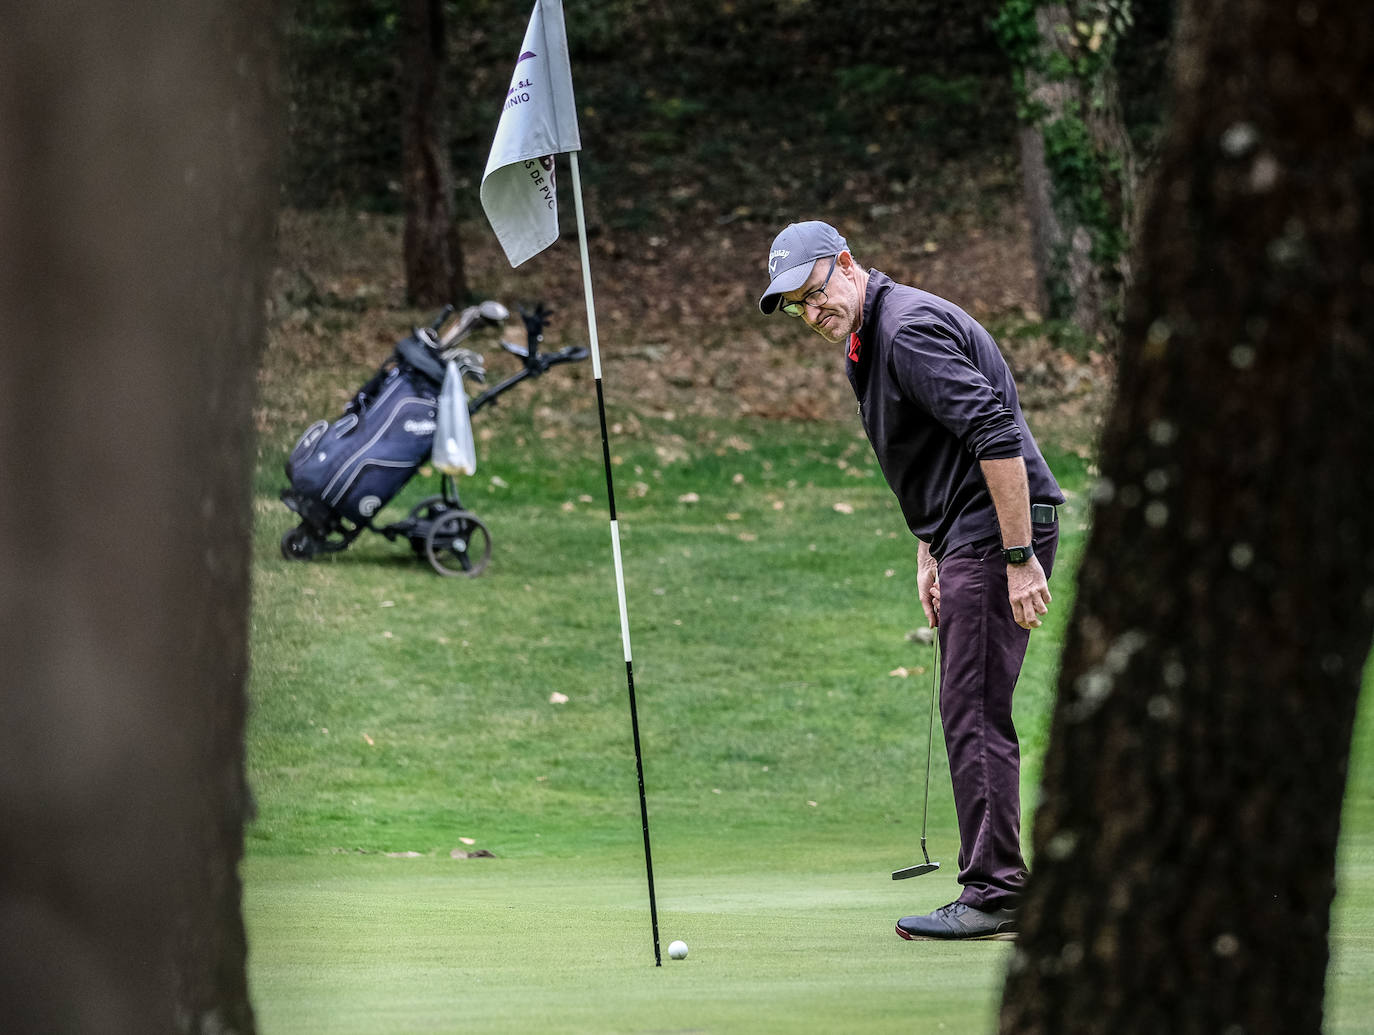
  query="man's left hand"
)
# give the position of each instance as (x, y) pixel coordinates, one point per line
(1029, 592)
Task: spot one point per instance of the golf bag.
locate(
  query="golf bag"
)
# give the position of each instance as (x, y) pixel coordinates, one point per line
(354, 466)
(342, 473)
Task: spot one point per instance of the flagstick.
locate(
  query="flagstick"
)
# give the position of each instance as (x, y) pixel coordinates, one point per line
(615, 542)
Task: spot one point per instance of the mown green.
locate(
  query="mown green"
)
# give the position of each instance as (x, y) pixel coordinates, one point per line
(398, 717)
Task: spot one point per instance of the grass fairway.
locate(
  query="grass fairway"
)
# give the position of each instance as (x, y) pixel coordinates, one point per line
(399, 717)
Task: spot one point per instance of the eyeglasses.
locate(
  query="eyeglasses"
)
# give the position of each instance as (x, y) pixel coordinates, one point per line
(815, 297)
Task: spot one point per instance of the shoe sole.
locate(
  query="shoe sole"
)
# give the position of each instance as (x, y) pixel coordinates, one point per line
(999, 936)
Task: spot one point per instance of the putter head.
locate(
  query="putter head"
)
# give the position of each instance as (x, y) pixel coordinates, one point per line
(915, 871)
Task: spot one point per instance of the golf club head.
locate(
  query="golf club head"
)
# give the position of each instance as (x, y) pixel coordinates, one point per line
(493, 311)
(915, 871)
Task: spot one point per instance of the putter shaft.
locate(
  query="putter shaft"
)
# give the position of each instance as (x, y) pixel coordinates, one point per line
(927, 866)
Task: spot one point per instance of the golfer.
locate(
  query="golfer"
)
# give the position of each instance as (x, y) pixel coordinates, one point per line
(941, 411)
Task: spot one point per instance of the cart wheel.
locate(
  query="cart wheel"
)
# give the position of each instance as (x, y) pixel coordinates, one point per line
(298, 545)
(458, 544)
(429, 508)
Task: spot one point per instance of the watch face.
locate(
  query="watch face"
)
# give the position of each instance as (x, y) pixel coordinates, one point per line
(1017, 554)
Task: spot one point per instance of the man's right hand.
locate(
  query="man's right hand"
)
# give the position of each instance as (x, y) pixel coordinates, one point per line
(928, 587)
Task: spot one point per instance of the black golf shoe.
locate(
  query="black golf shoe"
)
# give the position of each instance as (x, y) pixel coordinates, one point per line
(960, 922)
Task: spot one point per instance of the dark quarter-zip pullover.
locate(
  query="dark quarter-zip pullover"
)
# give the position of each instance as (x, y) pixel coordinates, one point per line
(936, 397)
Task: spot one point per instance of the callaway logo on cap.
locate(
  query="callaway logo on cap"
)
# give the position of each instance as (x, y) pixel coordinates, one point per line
(794, 252)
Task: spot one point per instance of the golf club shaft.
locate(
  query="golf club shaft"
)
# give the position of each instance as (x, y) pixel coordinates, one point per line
(930, 737)
(926, 867)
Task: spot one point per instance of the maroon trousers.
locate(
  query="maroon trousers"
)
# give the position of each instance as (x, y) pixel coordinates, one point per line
(981, 650)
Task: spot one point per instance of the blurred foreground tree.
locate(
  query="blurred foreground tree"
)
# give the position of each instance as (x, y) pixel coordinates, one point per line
(1076, 156)
(1185, 845)
(136, 206)
(433, 255)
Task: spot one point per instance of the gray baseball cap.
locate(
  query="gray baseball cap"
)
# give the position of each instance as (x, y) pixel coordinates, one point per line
(794, 252)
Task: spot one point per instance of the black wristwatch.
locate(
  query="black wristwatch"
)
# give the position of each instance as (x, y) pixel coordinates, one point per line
(1019, 554)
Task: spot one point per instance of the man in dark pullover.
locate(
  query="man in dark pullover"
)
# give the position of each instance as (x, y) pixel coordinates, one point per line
(941, 411)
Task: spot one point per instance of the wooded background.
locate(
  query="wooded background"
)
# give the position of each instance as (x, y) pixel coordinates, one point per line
(739, 110)
(749, 98)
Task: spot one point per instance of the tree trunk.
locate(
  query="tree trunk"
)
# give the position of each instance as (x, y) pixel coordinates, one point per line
(433, 256)
(136, 210)
(1185, 845)
(1076, 157)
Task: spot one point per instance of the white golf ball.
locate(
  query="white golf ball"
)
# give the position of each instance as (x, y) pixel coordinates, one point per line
(677, 951)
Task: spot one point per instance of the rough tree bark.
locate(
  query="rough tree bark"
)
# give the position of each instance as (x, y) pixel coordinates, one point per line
(433, 254)
(136, 209)
(1185, 845)
(1076, 156)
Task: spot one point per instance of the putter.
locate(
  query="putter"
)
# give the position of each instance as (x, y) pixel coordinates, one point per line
(927, 866)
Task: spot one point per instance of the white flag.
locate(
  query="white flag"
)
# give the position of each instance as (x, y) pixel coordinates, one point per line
(539, 120)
